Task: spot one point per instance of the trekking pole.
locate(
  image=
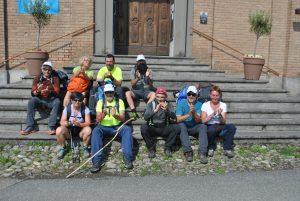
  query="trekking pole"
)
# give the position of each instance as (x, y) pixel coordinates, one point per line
(117, 132)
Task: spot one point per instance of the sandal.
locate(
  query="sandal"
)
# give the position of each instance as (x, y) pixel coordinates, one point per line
(51, 132)
(27, 131)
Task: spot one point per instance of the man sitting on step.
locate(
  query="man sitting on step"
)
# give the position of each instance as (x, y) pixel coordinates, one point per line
(45, 91)
(161, 121)
(188, 113)
(142, 84)
(110, 115)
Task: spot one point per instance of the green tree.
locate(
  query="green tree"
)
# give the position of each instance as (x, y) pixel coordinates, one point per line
(38, 9)
(260, 24)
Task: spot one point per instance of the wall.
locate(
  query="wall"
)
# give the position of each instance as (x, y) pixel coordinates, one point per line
(228, 23)
(74, 14)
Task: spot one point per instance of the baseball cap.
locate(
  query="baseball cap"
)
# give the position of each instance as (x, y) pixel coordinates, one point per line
(140, 57)
(192, 89)
(108, 87)
(47, 63)
(161, 90)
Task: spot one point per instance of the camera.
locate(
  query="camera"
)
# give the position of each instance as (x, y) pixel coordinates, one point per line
(142, 68)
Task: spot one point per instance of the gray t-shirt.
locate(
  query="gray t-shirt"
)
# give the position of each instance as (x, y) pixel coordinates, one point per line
(142, 83)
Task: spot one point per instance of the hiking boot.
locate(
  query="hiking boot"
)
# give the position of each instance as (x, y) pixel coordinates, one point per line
(151, 154)
(128, 164)
(188, 156)
(210, 153)
(168, 152)
(96, 167)
(61, 153)
(203, 159)
(86, 152)
(229, 153)
(28, 130)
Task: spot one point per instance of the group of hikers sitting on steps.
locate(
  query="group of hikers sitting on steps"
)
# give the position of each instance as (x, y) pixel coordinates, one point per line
(93, 111)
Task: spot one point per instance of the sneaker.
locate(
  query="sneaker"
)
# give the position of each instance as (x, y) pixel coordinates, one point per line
(151, 154)
(168, 152)
(229, 153)
(211, 153)
(203, 159)
(133, 114)
(128, 164)
(188, 156)
(27, 131)
(61, 153)
(86, 152)
(96, 167)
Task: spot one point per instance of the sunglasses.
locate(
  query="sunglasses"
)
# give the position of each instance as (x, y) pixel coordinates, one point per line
(109, 92)
(47, 69)
(191, 94)
(78, 100)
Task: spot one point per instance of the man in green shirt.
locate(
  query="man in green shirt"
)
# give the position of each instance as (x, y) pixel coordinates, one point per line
(111, 73)
(110, 115)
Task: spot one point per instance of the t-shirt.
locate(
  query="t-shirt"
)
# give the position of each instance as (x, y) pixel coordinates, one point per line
(208, 110)
(116, 72)
(76, 115)
(183, 108)
(88, 72)
(109, 120)
(142, 83)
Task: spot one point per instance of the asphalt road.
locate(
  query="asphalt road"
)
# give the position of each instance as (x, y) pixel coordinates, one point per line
(276, 185)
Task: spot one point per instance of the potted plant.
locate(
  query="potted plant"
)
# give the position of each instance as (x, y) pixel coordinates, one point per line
(38, 9)
(261, 25)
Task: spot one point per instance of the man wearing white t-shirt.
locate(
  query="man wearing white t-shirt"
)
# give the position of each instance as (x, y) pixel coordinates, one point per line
(214, 116)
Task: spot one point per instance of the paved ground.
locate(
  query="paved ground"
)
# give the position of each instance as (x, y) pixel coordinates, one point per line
(275, 185)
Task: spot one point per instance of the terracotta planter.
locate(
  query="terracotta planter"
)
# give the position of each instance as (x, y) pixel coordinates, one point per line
(35, 59)
(253, 68)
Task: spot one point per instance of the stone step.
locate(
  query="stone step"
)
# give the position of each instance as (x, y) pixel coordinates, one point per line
(21, 112)
(155, 67)
(240, 135)
(16, 124)
(131, 59)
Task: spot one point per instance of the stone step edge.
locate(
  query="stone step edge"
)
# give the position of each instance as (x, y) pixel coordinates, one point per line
(246, 135)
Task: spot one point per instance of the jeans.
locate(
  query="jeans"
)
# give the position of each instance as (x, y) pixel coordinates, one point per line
(227, 133)
(194, 131)
(169, 132)
(35, 102)
(101, 131)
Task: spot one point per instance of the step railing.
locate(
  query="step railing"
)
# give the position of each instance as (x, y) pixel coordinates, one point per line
(73, 33)
(208, 37)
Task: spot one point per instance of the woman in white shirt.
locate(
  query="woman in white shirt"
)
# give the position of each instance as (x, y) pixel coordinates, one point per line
(214, 116)
(75, 118)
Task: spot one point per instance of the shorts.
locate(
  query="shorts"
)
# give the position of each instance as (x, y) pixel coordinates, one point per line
(141, 94)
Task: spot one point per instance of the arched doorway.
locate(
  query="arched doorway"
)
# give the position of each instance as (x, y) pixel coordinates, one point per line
(142, 26)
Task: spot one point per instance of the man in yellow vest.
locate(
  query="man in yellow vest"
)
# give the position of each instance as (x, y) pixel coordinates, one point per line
(110, 115)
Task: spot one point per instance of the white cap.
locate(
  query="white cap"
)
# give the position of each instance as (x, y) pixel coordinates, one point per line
(47, 63)
(108, 87)
(140, 57)
(192, 89)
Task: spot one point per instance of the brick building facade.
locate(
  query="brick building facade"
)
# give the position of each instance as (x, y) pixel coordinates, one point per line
(227, 22)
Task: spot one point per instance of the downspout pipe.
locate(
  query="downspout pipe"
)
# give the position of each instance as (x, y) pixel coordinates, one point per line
(6, 41)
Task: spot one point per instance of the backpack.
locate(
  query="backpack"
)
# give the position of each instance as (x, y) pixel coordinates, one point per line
(203, 94)
(63, 79)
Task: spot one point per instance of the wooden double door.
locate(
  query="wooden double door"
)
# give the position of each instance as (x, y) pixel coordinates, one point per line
(142, 26)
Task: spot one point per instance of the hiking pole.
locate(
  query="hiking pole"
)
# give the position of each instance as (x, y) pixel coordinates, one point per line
(117, 132)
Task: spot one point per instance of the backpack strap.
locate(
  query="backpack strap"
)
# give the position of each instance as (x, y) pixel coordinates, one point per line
(69, 110)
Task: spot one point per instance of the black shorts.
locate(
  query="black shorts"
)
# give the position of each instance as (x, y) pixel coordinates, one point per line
(141, 94)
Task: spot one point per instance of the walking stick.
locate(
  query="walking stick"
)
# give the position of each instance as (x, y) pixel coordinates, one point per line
(117, 132)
